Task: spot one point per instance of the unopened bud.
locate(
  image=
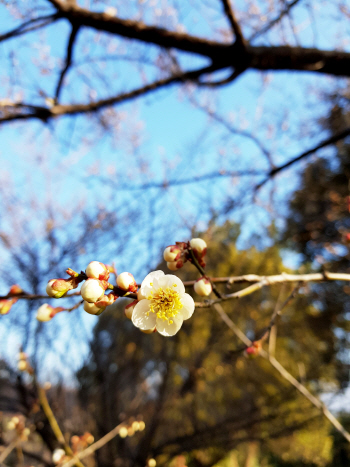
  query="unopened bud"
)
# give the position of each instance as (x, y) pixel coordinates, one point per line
(152, 463)
(171, 253)
(148, 331)
(92, 309)
(11, 425)
(58, 455)
(92, 290)
(130, 308)
(123, 432)
(45, 313)
(199, 246)
(254, 350)
(126, 281)
(203, 287)
(142, 425)
(56, 288)
(22, 365)
(15, 290)
(96, 270)
(347, 237)
(25, 434)
(175, 265)
(6, 305)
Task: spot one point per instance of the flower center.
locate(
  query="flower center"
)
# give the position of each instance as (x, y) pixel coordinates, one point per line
(166, 303)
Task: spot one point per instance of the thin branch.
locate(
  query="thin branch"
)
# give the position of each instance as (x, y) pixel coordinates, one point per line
(272, 23)
(234, 23)
(94, 447)
(54, 425)
(71, 42)
(7, 451)
(284, 373)
(30, 25)
(10, 112)
(327, 142)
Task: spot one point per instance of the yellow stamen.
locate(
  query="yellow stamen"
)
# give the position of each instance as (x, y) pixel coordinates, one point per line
(166, 303)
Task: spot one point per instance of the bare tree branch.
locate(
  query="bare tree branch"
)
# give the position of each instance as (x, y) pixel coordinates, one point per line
(272, 23)
(31, 25)
(10, 111)
(234, 23)
(68, 63)
(333, 139)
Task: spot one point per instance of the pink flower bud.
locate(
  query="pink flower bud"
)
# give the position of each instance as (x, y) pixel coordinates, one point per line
(254, 350)
(45, 313)
(56, 288)
(130, 308)
(96, 270)
(199, 246)
(126, 281)
(93, 309)
(92, 290)
(171, 253)
(203, 287)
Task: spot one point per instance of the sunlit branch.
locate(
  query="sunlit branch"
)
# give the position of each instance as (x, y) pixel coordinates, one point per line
(284, 373)
(94, 447)
(333, 139)
(54, 424)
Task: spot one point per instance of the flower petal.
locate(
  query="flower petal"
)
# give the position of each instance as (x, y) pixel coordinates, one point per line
(173, 282)
(188, 306)
(166, 329)
(140, 318)
(146, 286)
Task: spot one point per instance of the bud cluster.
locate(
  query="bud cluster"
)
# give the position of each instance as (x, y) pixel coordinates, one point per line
(131, 428)
(177, 255)
(92, 290)
(23, 364)
(18, 423)
(79, 443)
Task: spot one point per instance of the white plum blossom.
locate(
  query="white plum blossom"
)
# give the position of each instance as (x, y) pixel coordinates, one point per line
(166, 305)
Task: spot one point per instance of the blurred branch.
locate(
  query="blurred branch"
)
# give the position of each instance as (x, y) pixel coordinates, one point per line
(31, 25)
(7, 451)
(228, 55)
(94, 447)
(68, 63)
(54, 425)
(10, 111)
(274, 21)
(327, 142)
(234, 23)
(284, 373)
